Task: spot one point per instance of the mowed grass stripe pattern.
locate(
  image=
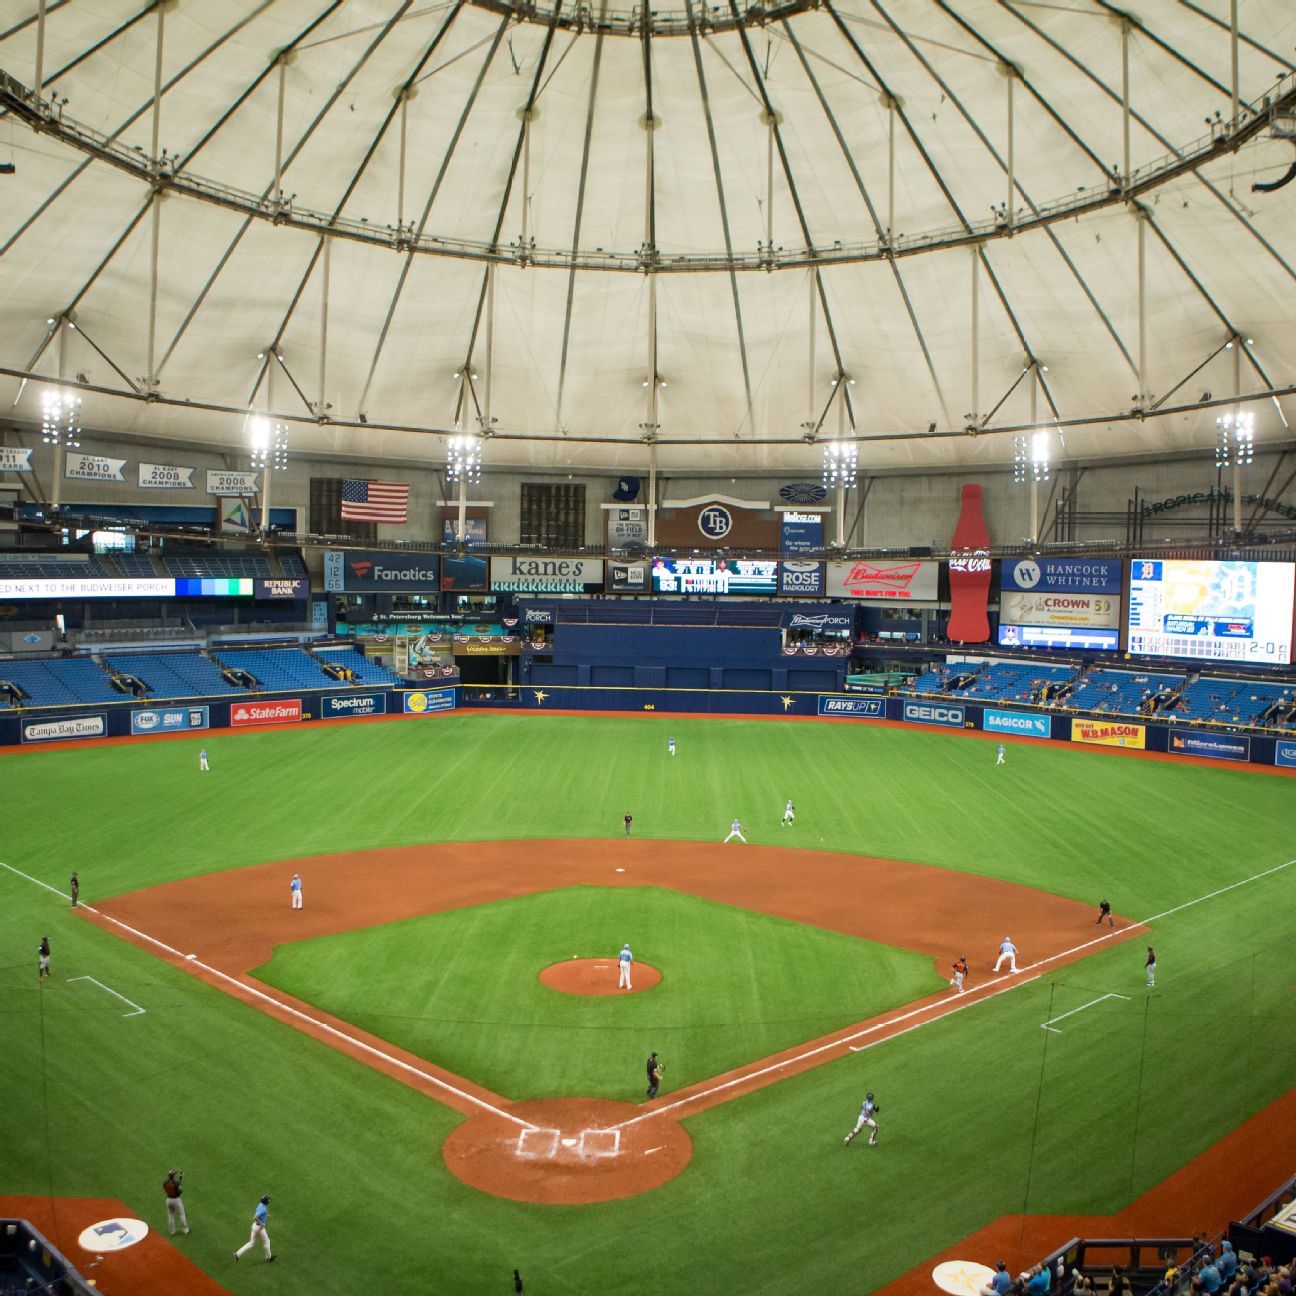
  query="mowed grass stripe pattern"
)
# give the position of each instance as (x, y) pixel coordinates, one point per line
(984, 1112)
(461, 989)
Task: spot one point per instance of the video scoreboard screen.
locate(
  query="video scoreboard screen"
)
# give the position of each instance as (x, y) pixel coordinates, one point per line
(1229, 611)
(714, 576)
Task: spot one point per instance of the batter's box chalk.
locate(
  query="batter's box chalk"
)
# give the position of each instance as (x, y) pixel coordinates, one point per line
(596, 1143)
(538, 1144)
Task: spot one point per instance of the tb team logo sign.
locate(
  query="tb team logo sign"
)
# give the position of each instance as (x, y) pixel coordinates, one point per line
(715, 522)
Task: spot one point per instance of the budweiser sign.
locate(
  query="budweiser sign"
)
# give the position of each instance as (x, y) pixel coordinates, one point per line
(884, 581)
(257, 713)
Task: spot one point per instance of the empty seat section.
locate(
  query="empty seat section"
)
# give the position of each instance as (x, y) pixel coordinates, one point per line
(277, 670)
(174, 675)
(367, 672)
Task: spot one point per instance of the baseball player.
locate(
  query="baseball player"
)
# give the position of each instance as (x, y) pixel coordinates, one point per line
(44, 952)
(670, 746)
(624, 960)
(295, 887)
(75, 888)
(1104, 911)
(175, 1207)
(735, 830)
(654, 1075)
(999, 760)
(1151, 967)
(789, 815)
(868, 1109)
(960, 966)
(629, 820)
(1008, 951)
(259, 1218)
(202, 759)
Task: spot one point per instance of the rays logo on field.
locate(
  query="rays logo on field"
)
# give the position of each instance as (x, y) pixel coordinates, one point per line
(1027, 573)
(715, 521)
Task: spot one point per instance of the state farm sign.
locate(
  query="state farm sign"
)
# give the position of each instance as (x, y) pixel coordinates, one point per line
(883, 581)
(257, 713)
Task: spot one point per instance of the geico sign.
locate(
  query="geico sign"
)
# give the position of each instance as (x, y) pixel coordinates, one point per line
(931, 713)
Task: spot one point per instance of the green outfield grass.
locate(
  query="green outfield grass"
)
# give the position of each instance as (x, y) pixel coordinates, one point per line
(461, 988)
(983, 1112)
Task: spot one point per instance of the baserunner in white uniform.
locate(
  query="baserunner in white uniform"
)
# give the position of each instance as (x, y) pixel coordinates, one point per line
(624, 960)
(260, 1218)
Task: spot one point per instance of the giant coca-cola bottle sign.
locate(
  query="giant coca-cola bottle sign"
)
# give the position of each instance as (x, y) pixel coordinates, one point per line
(969, 573)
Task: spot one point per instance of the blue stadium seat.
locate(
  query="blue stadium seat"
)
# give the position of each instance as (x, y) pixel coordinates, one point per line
(173, 674)
(277, 670)
(367, 672)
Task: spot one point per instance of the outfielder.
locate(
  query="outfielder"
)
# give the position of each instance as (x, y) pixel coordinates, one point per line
(202, 759)
(789, 815)
(259, 1219)
(735, 830)
(1151, 967)
(624, 960)
(175, 1207)
(44, 951)
(868, 1109)
(670, 746)
(296, 887)
(999, 760)
(1007, 950)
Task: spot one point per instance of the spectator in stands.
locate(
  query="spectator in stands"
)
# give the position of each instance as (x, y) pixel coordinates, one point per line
(1038, 1282)
(1207, 1278)
(1119, 1283)
(1002, 1280)
(1227, 1264)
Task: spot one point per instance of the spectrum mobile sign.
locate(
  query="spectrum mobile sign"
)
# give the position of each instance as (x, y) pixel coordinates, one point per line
(352, 704)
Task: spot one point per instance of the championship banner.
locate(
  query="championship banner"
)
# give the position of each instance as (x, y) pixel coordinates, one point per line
(220, 482)
(13, 459)
(86, 467)
(165, 477)
(1109, 733)
(911, 582)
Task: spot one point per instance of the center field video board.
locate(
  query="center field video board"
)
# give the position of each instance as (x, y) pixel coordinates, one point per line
(1216, 611)
(714, 576)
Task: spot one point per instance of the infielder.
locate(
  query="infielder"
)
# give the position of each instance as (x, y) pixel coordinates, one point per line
(999, 760)
(670, 746)
(789, 815)
(202, 759)
(296, 888)
(1151, 967)
(624, 960)
(654, 1075)
(259, 1218)
(175, 1207)
(960, 971)
(868, 1109)
(735, 830)
(1104, 911)
(1007, 950)
(44, 951)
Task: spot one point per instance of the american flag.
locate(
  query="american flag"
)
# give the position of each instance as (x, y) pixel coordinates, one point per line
(375, 501)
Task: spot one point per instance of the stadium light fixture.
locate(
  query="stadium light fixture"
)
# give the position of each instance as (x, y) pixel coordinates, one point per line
(1236, 446)
(61, 419)
(840, 463)
(1031, 457)
(463, 458)
(268, 443)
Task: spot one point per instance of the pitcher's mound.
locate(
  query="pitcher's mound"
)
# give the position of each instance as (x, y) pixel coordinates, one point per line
(568, 1151)
(596, 977)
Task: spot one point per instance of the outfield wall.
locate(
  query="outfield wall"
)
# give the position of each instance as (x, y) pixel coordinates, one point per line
(51, 725)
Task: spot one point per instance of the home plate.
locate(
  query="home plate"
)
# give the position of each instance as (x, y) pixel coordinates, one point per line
(569, 1142)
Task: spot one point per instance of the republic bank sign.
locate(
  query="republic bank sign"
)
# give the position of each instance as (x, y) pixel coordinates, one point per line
(546, 575)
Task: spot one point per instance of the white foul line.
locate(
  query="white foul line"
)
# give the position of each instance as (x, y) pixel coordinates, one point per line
(1048, 1025)
(689, 1099)
(138, 1010)
(399, 1063)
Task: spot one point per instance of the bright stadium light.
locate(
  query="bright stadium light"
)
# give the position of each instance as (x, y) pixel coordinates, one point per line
(840, 463)
(268, 444)
(61, 419)
(463, 458)
(1236, 446)
(1031, 457)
